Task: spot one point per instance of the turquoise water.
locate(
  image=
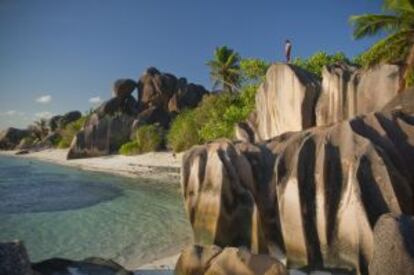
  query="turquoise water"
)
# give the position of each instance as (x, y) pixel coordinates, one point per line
(64, 212)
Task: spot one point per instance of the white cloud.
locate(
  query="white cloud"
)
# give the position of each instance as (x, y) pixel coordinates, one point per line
(44, 99)
(95, 100)
(45, 115)
(12, 113)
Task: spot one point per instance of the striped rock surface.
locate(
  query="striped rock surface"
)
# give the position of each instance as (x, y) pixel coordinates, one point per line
(311, 198)
(348, 91)
(198, 260)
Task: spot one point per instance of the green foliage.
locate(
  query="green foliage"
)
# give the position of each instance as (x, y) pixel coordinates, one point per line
(225, 69)
(184, 132)
(214, 118)
(317, 61)
(147, 138)
(253, 70)
(398, 23)
(69, 132)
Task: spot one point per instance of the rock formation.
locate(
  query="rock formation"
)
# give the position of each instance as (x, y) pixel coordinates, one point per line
(285, 101)
(348, 91)
(292, 100)
(393, 245)
(211, 260)
(14, 260)
(311, 197)
(11, 138)
(60, 121)
(160, 97)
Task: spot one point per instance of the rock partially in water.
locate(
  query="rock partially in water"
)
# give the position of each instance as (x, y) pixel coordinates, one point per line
(393, 245)
(58, 266)
(230, 260)
(14, 259)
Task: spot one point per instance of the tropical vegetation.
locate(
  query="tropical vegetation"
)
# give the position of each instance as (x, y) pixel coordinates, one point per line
(225, 69)
(147, 138)
(397, 22)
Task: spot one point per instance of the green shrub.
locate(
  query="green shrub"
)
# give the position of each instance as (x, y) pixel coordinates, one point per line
(184, 132)
(69, 132)
(253, 70)
(214, 118)
(317, 61)
(147, 138)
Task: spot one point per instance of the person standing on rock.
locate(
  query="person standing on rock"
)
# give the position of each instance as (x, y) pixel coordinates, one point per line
(288, 49)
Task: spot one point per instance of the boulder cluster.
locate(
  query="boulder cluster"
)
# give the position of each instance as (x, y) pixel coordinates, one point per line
(37, 137)
(321, 177)
(160, 97)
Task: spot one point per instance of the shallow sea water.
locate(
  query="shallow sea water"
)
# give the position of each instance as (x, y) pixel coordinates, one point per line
(65, 212)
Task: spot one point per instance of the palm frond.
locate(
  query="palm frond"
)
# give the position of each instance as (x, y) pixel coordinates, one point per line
(398, 6)
(371, 24)
(393, 48)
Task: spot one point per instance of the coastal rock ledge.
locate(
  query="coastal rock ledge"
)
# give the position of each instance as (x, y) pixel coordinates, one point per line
(310, 199)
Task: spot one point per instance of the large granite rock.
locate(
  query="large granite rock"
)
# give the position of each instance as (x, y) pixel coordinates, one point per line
(286, 101)
(60, 121)
(101, 136)
(11, 138)
(186, 96)
(297, 196)
(393, 245)
(163, 90)
(199, 260)
(14, 259)
(57, 266)
(123, 88)
(348, 91)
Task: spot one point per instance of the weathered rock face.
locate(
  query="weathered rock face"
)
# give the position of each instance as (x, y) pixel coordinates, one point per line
(393, 245)
(292, 100)
(123, 88)
(286, 101)
(187, 96)
(163, 90)
(348, 91)
(58, 122)
(11, 138)
(296, 196)
(14, 259)
(87, 266)
(198, 260)
(101, 136)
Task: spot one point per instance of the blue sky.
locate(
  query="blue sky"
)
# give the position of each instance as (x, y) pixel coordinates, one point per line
(57, 56)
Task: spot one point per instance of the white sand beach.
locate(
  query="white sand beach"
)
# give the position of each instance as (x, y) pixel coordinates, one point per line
(162, 166)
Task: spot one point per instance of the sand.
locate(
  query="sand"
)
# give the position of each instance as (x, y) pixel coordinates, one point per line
(159, 166)
(162, 166)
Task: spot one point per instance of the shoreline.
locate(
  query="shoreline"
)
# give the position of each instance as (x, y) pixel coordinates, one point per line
(157, 166)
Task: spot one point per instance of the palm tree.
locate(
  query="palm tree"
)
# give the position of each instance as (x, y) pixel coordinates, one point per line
(398, 47)
(40, 129)
(225, 69)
